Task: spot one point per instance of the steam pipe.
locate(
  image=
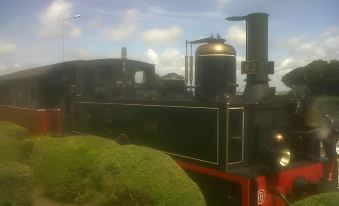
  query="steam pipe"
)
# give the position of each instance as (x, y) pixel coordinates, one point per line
(123, 53)
(186, 66)
(191, 68)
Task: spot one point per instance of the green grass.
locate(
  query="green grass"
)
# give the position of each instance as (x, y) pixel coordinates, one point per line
(327, 199)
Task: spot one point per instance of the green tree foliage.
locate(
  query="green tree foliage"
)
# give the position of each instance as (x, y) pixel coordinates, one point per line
(321, 77)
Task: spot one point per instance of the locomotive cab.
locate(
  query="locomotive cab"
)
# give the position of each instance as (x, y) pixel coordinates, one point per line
(116, 78)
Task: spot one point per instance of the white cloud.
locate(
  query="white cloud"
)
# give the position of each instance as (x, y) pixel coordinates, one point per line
(7, 47)
(287, 62)
(222, 3)
(128, 26)
(240, 77)
(236, 34)
(96, 21)
(277, 83)
(283, 66)
(330, 39)
(84, 54)
(22, 59)
(155, 11)
(74, 32)
(152, 56)
(168, 61)
(52, 18)
(302, 51)
(299, 46)
(159, 36)
(324, 47)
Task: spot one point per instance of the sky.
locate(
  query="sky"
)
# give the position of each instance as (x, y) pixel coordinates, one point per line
(155, 31)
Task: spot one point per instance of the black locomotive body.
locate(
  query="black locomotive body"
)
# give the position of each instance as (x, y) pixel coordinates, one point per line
(251, 149)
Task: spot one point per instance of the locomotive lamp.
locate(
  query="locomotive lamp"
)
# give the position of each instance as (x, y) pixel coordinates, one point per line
(279, 137)
(283, 154)
(278, 156)
(273, 147)
(285, 157)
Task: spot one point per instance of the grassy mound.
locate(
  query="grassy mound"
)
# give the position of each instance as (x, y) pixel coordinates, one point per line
(96, 171)
(12, 130)
(11, 137)
(148, 176)
(16, 184)
(89, 170)
(327, 199)
(65, 166)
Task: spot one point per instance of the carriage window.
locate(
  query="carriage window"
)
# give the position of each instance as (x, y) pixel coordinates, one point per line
(139, 77)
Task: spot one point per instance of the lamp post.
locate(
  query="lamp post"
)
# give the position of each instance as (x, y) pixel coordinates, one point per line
(63, 33)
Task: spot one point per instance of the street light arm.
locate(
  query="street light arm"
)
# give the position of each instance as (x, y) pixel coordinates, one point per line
(73, 17)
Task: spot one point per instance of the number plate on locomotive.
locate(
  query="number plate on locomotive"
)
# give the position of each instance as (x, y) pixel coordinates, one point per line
(249, 67)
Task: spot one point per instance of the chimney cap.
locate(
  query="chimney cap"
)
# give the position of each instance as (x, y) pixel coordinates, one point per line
(242, 18)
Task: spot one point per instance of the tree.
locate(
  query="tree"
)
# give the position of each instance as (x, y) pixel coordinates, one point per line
(320, 77)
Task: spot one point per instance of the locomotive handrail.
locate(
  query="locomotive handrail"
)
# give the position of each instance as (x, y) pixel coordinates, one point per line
(304, 132)
(123, 136)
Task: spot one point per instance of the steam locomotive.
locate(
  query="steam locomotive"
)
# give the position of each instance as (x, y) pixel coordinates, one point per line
(252, 149)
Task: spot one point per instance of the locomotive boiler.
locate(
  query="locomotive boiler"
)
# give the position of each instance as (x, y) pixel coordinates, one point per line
(252, 149)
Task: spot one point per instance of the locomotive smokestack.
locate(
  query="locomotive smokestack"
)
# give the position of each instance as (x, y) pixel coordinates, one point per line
(256, 65)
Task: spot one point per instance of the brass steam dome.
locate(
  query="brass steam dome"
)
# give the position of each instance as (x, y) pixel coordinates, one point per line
(215, 49)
